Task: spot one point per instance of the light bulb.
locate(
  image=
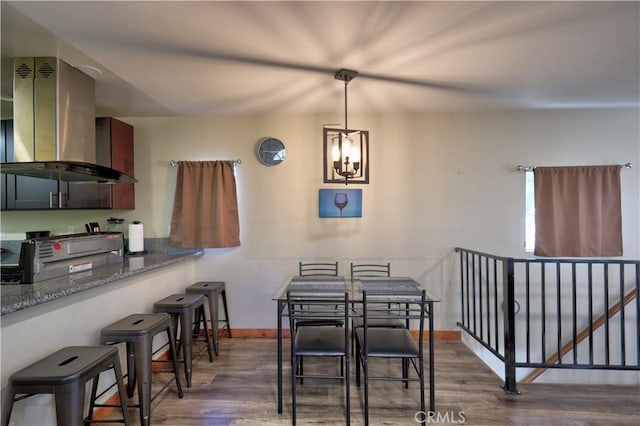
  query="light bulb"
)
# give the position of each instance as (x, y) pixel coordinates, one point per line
(346, 147)
(335, 150)
(355, 153)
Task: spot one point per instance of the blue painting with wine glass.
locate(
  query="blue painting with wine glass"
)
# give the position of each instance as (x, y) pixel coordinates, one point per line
(340, 203)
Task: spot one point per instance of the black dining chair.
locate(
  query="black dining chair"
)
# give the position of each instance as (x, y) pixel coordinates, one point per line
(368, 270)
(319, 341)
(320, 270)
(306, 269)
(374, 343)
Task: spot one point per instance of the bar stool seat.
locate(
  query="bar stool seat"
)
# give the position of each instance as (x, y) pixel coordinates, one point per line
(138, 331)
(184, 308)
(64, 374)
(213, 289)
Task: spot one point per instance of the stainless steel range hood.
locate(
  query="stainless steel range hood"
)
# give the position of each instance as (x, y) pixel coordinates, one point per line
(54, 124)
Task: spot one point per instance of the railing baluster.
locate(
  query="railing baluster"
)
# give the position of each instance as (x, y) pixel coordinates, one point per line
(528, 304)
(590, 269)
(574, 315)
(473, 289)
(481, 312)
(495, 302)
(462, 293)
(486, 267)
(623, 356)
(606, 309)
(509, 328)
(558, 313)
(543, 314)
(468, 294)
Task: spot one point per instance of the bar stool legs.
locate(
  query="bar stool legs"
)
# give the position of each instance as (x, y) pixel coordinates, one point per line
(223, 293)
(213, 290)
(64, 374)
(138, 331)
(182, 308)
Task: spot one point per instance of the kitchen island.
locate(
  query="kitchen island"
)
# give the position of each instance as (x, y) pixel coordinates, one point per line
(38, 319)
(21, 296)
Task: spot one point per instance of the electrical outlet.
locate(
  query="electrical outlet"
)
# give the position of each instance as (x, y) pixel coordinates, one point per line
(71, 229)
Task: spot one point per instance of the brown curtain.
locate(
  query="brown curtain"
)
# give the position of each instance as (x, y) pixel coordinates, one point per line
(205, 208)
(578, 211)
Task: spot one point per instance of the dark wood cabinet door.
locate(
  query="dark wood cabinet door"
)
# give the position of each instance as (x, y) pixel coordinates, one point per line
(121, 135)
(122, 147)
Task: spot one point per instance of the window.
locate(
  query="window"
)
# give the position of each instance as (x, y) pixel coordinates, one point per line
(530, 213)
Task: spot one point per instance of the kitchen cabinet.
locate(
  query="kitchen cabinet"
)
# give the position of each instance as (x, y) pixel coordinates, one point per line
(22, 192)
(6, 128)
(114, 148)
(28, 193)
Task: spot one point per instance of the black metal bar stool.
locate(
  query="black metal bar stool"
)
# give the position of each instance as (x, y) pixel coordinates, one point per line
(64, 374)
(138, 331)
(184, 308)
(213, 289)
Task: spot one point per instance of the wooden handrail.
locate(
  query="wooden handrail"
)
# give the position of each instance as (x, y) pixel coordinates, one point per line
(598, 322)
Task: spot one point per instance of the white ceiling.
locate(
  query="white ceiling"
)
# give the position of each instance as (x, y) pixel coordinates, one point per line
(199, 58)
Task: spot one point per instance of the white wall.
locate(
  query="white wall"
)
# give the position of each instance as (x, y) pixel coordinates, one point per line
(437, 181)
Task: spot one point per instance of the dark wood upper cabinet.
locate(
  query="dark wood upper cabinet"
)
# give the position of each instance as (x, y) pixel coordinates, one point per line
(114, 141)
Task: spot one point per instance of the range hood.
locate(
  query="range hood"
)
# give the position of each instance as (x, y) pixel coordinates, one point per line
(54, 133)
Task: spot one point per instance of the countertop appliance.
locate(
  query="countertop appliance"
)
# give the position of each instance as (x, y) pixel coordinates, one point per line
(51, 257)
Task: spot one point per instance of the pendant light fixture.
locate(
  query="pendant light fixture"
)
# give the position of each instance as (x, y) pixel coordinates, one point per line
(346, 151)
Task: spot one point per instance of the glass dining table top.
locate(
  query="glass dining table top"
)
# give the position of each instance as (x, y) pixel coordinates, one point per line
(395, 287)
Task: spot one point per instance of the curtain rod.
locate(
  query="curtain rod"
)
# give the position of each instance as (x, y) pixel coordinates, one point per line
(174, 163)
(520, 168)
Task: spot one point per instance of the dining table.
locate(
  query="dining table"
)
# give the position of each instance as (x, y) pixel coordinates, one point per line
(396, 289)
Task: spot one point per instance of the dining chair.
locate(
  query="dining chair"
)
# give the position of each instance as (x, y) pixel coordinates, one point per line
(370, 270)
(306, 269)
(320, 341)
(367, 270)
(319, 269)
(391, 343)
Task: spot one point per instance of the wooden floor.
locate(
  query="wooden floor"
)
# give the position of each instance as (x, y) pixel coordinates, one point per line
(240, 388)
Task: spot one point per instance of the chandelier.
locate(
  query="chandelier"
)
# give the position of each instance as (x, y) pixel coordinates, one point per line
(346, 151)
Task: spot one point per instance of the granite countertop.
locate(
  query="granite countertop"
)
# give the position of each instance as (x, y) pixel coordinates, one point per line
(16, 297)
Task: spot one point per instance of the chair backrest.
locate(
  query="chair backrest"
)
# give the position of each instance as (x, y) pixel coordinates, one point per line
(318, 269)
(375, 305)
(317, 304)
(370, 270)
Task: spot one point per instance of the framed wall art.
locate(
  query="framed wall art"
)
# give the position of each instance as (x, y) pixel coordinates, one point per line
(340, 203)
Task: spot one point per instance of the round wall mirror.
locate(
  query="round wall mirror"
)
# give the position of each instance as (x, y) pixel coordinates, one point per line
(271, 151)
